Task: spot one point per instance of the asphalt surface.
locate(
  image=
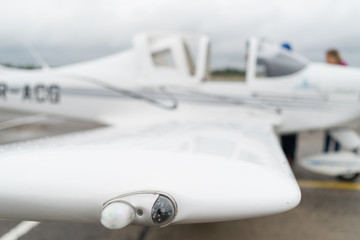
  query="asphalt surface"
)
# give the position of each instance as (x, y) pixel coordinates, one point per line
(324, 213)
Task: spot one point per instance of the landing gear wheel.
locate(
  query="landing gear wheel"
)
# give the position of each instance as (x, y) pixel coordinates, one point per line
(348, 177)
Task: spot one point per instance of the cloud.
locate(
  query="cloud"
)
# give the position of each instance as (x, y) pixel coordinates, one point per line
(69, 31)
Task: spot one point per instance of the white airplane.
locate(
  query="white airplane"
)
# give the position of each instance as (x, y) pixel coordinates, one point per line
(178, 148)
(310, 96)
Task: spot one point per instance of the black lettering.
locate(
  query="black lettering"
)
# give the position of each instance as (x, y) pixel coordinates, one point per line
(40, 93)
(27, 93)
(54, 94)
(3, 90)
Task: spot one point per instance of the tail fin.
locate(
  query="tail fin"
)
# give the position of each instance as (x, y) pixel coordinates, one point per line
(172, 53)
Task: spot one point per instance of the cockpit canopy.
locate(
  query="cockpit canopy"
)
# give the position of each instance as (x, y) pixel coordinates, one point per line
(273, 60)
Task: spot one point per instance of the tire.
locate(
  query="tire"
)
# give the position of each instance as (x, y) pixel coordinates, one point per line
(348, 177)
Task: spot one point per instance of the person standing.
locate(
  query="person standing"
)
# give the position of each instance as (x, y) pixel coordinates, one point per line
(288, 141)
(333, 57)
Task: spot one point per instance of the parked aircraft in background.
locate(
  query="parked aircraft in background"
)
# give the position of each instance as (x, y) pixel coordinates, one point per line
(179, 148)
(309, 96)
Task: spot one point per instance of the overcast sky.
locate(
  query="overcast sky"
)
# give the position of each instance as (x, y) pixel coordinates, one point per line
(67, 31)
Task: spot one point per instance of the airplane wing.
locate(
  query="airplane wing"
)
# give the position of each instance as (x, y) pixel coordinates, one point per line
(190, 168)
(30, 119)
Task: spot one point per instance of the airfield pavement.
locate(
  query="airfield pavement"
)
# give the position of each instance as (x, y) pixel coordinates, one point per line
(327, 211)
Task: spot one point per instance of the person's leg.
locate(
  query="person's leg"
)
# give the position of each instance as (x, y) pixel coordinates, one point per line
(337, 146)
(327, 141)
(288, 143)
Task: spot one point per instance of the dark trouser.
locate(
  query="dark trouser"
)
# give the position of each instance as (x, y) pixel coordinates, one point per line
(328, 140)
(288, 143)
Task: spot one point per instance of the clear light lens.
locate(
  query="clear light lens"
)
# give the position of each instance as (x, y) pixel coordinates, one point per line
(117, 215)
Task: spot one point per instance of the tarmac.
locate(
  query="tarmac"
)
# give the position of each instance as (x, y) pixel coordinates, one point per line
(328, 209)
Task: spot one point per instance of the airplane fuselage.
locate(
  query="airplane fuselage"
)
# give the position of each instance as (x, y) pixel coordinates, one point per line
(305, 100)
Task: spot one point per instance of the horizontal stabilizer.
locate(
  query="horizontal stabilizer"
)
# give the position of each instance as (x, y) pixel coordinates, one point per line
(333, 164)
(23, 121)
(348, 138)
